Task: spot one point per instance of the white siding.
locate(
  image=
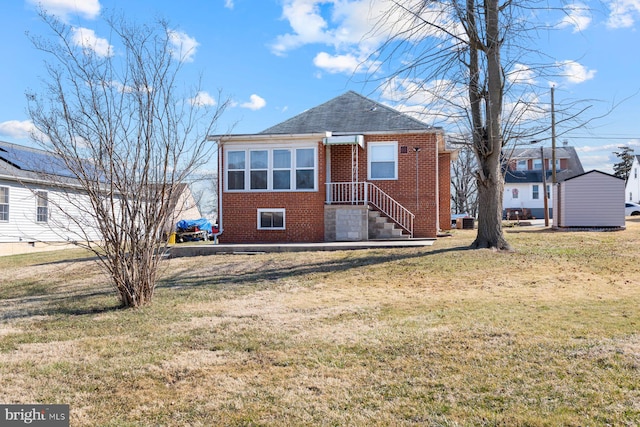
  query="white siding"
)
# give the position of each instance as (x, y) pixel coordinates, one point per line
(632, 189)
(525, 196)
(592, 200)
(22, 225)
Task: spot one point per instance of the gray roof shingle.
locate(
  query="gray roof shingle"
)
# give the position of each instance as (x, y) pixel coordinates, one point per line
(574, 166)
(348, 113)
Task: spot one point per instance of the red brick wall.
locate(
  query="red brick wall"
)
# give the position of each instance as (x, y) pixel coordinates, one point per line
(444, 165)
(403, 190)
(305, 210)
(304, 215)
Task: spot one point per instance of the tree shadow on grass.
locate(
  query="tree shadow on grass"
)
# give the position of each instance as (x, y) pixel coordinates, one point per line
(52, 304)
(90, 301)
(284, 272)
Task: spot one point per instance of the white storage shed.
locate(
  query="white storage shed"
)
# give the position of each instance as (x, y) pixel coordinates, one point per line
(591, 200)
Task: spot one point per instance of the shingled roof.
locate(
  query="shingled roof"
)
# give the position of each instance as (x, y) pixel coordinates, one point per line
(348, 113)
(574, 166)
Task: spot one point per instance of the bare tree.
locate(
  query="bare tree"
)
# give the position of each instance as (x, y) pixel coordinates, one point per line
(464, 61)
(463, 183)
(116, 117)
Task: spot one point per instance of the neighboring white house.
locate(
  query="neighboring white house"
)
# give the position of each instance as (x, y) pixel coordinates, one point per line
(31, 206)
(592, 199)
(632, 189)
(523, 191)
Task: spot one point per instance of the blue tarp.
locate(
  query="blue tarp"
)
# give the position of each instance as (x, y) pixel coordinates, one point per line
(187, 225)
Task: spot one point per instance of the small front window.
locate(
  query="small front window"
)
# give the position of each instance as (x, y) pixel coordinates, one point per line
(42, 214)
(383, 160)
(514, 193)
(536, 192)
(271, 219)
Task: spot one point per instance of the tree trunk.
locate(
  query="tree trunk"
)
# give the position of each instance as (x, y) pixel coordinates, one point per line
(487, 137)
(490, 192)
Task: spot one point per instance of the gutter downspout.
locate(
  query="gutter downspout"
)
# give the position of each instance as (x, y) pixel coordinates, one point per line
(220, 222)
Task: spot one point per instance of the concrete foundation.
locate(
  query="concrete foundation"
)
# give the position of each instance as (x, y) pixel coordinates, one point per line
(345, 223)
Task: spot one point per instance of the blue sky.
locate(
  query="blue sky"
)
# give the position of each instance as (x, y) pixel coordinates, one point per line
(277, 58)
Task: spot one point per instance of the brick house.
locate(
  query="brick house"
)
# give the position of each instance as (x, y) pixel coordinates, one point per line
(348, 169)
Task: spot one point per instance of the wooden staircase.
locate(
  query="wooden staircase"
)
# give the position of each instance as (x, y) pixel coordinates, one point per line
(382, 228)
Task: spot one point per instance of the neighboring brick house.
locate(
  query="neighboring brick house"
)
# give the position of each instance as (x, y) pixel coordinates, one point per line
(327, 173)
(523, 196)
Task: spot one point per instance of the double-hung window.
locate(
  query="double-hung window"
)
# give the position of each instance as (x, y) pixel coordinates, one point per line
(383, 160)
(281, 169)
(305, 168)
(235, 170)
(535, 195)
(259, 169)
(42, 209)
(4, 203)
(272, 169)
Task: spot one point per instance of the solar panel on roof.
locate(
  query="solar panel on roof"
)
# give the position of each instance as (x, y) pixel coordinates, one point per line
(29, 159)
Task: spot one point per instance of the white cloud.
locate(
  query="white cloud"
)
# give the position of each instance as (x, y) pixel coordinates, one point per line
(17, 129)
(357, 28)
(336, 63)
(521, 74)
(575, 72)
(202, 99)
(577, 17)
(255, 103)
(623, 13)
(88, 40)
(307, 24)
(183, 47)
(228, 4)
(63, 9)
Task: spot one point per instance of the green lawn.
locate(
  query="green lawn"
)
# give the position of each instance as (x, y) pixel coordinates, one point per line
(546, 336)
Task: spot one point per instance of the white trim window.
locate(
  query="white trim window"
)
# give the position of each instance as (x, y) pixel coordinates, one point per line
(382, 160)
(272, 169)
(235, 170)
(281, 170)
(42, 206)
(522, 165)
(4, 204)
(271, 219)
(535, 191)
(305, 168)
(537, 164)
(259, 169)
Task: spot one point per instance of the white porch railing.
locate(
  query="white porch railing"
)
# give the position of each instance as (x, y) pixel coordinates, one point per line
(366, 193)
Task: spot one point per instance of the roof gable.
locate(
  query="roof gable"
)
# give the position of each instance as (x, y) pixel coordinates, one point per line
(594, 171)
(348, 113)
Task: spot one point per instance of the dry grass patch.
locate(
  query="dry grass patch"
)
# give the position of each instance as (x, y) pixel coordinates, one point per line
(547, 335)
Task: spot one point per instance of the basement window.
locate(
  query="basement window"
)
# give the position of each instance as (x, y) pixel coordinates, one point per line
(271, 219)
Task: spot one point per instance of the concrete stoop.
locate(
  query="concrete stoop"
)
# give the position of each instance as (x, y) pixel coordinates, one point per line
(381, 227)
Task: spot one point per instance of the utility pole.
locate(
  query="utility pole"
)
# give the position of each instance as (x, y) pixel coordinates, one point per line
(544, 189)
(553, 138)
